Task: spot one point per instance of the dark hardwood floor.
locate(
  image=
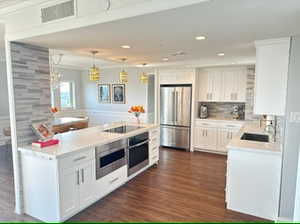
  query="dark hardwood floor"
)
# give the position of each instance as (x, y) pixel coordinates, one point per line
(183, 187)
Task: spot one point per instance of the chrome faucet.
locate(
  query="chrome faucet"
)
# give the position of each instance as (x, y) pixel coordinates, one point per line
(271, 127)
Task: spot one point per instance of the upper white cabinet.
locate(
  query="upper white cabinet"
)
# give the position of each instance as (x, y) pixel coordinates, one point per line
(227, 84)
(272, 60)
(176, 76)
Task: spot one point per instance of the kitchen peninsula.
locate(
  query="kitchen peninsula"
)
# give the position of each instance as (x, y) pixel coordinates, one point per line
(59, 181)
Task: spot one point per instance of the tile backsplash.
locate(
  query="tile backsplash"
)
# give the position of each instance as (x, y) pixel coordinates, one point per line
(223, 109)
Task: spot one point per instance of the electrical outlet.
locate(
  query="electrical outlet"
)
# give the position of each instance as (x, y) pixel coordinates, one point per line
(295, 117)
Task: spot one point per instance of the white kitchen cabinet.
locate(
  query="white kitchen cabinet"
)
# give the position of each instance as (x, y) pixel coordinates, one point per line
(205, 138)
(110, 182)
(234, 84)
(253, 182)
(224, 137)
(272, 60)
(210, 86)
(214, 135)
(69, 191)
(76, 188)
(154, 144)
(176, 76)
(226, 84)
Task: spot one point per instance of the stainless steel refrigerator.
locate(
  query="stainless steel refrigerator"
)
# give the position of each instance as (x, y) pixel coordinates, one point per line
(175, 115)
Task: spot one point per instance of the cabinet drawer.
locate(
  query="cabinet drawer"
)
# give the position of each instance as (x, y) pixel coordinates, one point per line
(154, 133)
(154, 157)
(77, 158)
(153, 150)
(232, 126)
(155, 142)
(111, 181)
(205, 124)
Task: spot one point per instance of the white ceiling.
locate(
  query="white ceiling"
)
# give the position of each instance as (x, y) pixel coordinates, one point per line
(231, 26)
(8, 3)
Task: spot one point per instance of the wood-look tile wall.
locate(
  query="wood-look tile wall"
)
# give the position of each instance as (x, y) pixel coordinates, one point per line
(31, 81)
(4, 123)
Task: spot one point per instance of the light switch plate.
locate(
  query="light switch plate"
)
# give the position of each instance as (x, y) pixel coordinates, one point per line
(295, 117)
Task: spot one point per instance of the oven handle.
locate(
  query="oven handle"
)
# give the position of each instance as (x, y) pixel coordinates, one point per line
(137, 145)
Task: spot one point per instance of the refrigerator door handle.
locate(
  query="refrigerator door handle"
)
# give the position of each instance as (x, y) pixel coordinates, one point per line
(176, 105)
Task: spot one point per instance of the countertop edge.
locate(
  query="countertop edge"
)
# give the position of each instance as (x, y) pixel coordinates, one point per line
(28, 149)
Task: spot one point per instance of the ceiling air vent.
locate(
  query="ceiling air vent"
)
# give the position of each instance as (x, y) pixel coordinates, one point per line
(59, 11)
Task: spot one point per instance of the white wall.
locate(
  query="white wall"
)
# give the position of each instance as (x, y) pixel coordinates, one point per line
(291, 135)
(297, 198)
(74, 76)
(136, 92)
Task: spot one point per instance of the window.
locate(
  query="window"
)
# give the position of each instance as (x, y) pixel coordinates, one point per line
(67, 95)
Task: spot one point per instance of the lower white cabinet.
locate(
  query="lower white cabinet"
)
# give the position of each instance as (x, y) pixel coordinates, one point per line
(110, 182)
(253, 182)
(55, 189)
(224, 137)
(214, 135)
(206, 137)
(76, 188)
(154, 146)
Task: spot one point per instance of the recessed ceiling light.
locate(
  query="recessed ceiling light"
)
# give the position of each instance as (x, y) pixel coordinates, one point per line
(200, 38)
(125, 46)
(220, 54)
(165, 59)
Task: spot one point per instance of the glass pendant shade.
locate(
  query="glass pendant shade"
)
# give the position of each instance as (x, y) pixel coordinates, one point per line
(55, 76)
(123, 76)
(144, 78)
(94, 72)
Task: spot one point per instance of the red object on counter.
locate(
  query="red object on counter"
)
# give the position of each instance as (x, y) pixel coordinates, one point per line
(41, 144)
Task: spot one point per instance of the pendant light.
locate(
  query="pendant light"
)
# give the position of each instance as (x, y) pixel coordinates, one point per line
(144, 76)
(94, 72)
(55, 76)
(123, 74)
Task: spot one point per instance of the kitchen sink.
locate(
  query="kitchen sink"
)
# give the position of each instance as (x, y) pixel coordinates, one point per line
(255, 137)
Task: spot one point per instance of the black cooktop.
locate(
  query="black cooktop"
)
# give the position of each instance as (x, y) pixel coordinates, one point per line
(123, 129)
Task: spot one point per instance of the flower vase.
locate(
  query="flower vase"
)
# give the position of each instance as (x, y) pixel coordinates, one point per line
(137, 115)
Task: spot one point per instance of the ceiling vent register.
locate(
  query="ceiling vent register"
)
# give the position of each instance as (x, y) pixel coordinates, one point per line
(59, 11)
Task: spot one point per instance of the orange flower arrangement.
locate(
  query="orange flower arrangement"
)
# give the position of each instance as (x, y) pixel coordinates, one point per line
(54, 110)
(137, 110)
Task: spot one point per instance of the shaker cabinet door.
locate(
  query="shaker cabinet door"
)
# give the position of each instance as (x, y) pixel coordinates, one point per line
(87, 179)
(69, 184)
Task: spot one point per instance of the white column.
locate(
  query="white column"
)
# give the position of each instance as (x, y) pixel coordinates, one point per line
(12, 114)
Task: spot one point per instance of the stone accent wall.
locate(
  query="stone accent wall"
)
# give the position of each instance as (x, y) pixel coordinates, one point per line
(4, 123)
(30, 68)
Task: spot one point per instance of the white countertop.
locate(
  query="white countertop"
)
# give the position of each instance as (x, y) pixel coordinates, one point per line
(84, 138)
(238, 144)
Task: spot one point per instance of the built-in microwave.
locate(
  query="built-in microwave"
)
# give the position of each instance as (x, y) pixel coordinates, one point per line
(110, 157)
